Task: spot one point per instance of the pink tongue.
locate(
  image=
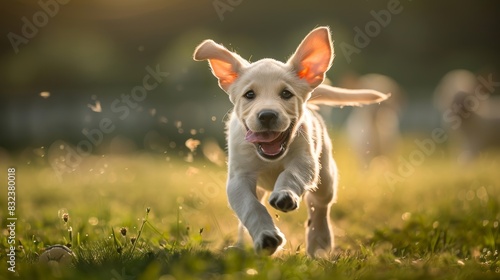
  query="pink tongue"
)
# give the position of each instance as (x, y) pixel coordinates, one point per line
(261, 137)
(268, 140)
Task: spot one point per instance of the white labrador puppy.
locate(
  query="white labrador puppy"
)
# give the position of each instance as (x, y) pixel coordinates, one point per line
(276, 142)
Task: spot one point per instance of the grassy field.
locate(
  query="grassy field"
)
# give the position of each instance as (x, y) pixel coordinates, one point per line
(145, 216)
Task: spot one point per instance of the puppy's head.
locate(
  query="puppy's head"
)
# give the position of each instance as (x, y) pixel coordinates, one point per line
(270, 96)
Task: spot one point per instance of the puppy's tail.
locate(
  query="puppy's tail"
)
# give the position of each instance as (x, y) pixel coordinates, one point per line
(335, 96)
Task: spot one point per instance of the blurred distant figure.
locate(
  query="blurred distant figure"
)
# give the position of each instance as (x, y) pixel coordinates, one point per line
(373, 130)
(469, 111)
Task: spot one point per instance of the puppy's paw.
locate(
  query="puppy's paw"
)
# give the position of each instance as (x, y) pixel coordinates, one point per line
(269, 241)
(284, 200)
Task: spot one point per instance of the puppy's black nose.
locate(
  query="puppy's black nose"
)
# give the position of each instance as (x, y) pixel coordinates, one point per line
(267, 118)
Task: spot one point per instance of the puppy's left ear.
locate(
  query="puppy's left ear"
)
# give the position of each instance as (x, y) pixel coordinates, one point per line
(313, 57)
(225, 65)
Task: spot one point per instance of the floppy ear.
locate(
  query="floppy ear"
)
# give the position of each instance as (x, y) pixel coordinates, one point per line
(225, 65)
(335, 96)
(313, 57)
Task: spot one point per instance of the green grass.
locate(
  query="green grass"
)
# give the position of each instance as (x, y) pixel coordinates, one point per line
(441, 222)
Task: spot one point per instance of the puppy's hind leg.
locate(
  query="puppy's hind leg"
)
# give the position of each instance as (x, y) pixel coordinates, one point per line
(319, 233)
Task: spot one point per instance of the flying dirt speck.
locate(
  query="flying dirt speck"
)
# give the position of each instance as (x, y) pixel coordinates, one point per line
(192, 144)
(96, 108)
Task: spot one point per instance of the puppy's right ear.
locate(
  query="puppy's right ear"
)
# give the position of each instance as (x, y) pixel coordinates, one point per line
(225, 65)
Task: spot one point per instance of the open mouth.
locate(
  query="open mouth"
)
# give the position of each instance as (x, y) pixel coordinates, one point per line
(270, 144)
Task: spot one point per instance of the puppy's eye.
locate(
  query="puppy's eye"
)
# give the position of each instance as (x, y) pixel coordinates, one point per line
(249, 94)
(286, 94)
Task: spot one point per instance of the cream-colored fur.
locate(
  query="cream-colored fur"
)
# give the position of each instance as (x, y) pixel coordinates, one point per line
(276, 142)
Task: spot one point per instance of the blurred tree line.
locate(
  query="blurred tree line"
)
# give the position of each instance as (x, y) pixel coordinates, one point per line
(85, 55)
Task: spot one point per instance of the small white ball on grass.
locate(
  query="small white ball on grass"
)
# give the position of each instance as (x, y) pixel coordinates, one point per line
(59, 254)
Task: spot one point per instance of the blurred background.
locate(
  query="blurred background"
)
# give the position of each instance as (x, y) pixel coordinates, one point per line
(118, 76)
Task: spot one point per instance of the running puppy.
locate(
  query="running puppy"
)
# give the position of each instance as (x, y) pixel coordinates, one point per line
(277, 142)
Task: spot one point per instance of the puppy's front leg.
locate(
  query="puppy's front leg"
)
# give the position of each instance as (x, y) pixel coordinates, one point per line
(299, 175)
(241, 192)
